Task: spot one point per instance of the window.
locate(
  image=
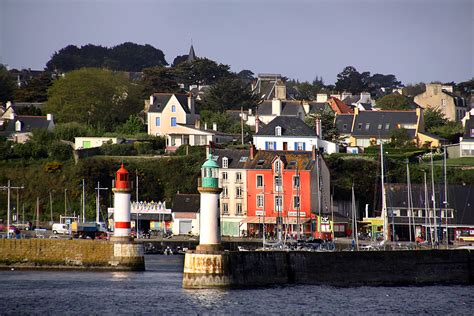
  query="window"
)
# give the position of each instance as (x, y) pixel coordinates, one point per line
(173, 121)
(296, 202)
(278, 184)
(243, 159)
(225, 162)
(238, 192)
(225, 208)
(387, 125)
(278, 166)
(260, 201)
(359, 126)
(278, 203)
(443, 102)
(278, 131)
(225, 192)
(224, 177)
(270, 145)
(173, 108)
(157, 121)
(472, 132)
(380, 126)
(299, 146)
(344, 127)
(238, 208)
(296, 181)
(367, 126)
(238, 177)
(259, 181)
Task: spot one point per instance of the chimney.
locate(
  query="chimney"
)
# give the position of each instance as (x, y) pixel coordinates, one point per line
(49, 117)
(250, 112)
(152, 99)
(205, 126)
(197, 124)
(313, 153)
(276, 107)
(321, 97)
(318, 127)
(190, 103)
(252, 152)
(9, 103)
(280, 91)
(257, 123)
(306, 107)
(214, 126)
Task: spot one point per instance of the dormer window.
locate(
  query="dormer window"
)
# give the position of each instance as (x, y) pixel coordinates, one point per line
(225, 162)
(18, 126)
(277, 166)
(173, 108)
(278, 131)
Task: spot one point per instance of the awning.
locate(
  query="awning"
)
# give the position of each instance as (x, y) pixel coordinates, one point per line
(272, 220)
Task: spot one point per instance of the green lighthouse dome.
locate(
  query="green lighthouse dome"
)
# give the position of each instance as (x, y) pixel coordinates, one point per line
(210, 173)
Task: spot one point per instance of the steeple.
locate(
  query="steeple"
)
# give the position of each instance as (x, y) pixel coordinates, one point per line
(191, 56)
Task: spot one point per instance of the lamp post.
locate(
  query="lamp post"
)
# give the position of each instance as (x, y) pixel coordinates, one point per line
(8, 187)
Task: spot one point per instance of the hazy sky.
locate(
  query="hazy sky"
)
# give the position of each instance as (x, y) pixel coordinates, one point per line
(417, 40)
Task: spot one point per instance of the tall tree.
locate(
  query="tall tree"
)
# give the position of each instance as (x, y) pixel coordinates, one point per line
(93, 96)
(202, 71)
(394, 101)
(158, 79)
(413, 90)
(377, 81)
(35, 90)
(434, 117)
(228, 93)
(351, 80)
(7, 85)
(133, 57)
(179, 59)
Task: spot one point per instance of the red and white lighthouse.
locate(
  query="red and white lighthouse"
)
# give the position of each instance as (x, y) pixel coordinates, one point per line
(122, 193)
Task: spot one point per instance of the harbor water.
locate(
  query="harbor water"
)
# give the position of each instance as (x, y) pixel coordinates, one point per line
(158, 291)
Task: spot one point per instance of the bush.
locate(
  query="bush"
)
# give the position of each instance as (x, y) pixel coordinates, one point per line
(143, 148)
(67, 131)
(60, 151)
(118, 150)
(53, 166)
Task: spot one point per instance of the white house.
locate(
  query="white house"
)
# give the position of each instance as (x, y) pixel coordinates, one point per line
(291, 133)
(185, 214)
(92, 142)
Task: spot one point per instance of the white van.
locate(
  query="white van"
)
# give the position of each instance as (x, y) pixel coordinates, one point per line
(60, 228)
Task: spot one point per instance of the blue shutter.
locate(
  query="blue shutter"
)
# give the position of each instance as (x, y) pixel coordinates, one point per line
(296, 146)
(266, 145)
(304, 146)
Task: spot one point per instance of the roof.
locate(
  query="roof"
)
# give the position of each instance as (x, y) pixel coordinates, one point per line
(318, 106)
(186, 203)
(351, 99)
(299, 159)
(28, 123)
(236, 158)
(344, 123)
(160, 100)
(366, 106)
(290, 126)
(458, 100)
(381, 123)
(191, 56)
(338, 106)
(210, 163)
(288, 108)
(460, 198)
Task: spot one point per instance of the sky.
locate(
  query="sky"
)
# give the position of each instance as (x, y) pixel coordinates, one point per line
(416, 40)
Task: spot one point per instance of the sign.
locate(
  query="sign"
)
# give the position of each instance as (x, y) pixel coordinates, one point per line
(259, 213)
(302, 214)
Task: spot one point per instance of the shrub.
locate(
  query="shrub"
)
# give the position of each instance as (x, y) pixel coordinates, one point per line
(143, 148)
(60, 151)
(118, 150)
(53, 166)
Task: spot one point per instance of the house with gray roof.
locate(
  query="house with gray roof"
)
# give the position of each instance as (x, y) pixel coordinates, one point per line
(442, 97)
(290, 133)
(465, 148)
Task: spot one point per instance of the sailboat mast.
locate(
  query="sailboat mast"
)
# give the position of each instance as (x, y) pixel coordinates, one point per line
(408, 202)
(427, 211)
(354, 218)
(384, 197)
(433, 197)
(445, 198)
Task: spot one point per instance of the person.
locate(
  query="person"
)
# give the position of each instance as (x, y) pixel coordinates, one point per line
(353, 245)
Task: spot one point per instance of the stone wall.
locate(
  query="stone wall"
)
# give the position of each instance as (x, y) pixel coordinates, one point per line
(76, 254)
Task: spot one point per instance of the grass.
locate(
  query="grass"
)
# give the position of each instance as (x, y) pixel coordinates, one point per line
(457, 162)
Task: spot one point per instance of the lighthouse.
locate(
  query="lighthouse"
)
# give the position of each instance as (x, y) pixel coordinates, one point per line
(122, 205)
(209, 227)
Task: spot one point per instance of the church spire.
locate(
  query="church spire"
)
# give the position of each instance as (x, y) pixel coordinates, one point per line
(191, 56)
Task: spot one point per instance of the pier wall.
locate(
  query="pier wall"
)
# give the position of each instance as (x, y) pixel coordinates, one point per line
(352, 268)
(70, 254)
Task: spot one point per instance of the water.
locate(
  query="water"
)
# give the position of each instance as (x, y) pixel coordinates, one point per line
(158, 291)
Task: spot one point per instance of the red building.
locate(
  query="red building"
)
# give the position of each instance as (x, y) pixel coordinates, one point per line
(282, 185)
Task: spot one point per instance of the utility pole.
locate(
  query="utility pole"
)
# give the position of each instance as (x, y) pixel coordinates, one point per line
(242, 123)
(83, 200)
(8, 189)
(97, 214)
(136, 180)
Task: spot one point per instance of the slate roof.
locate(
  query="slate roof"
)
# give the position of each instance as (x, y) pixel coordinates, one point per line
(263, 160)
(318, 106)
(289, 108)
(366, 106)
(161, 100)
(460, 198)
(351, 99)
(468, 128)
(186, 203)
(458, 100)
(237, 158)
(381, 123)
(344, 123)
(28, 123)
(290, 126)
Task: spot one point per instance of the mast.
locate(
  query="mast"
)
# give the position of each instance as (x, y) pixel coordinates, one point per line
(83, 200)
(299, 204)
(354, 218)
(37, 212)
(433, 198)
(427, 211)
(51, 205)
(384, 197)
(445, 197)
(332, 217)
(409, 202)
(319, 193)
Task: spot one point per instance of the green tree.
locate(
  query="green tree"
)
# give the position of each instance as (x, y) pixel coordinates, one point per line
(351, 80)
(7, 85)
(134, 57)
(330, 132)
(433, 117)
(412, 90)
(394, 101)
(67, 131)
(450, 131)
(92, 96)
(202, 71)
(378, 81)
(36, 90)
(179, 59)
(134, 125)
(400, 138)
(227, 93)
(159, 79)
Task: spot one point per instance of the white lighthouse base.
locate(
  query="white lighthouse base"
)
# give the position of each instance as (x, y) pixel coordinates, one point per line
(206, 270)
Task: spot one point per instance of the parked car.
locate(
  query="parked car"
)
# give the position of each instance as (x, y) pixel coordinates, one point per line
(60, 228)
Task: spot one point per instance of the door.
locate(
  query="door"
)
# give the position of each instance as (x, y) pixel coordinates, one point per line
(86, 144)
(285, 146)
(185, 227)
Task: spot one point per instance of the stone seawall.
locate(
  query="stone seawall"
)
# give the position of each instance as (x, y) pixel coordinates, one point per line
(264, 268)
(70, 254)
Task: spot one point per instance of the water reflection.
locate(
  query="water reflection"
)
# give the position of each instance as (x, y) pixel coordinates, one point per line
(120, 276)
(207, 298)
